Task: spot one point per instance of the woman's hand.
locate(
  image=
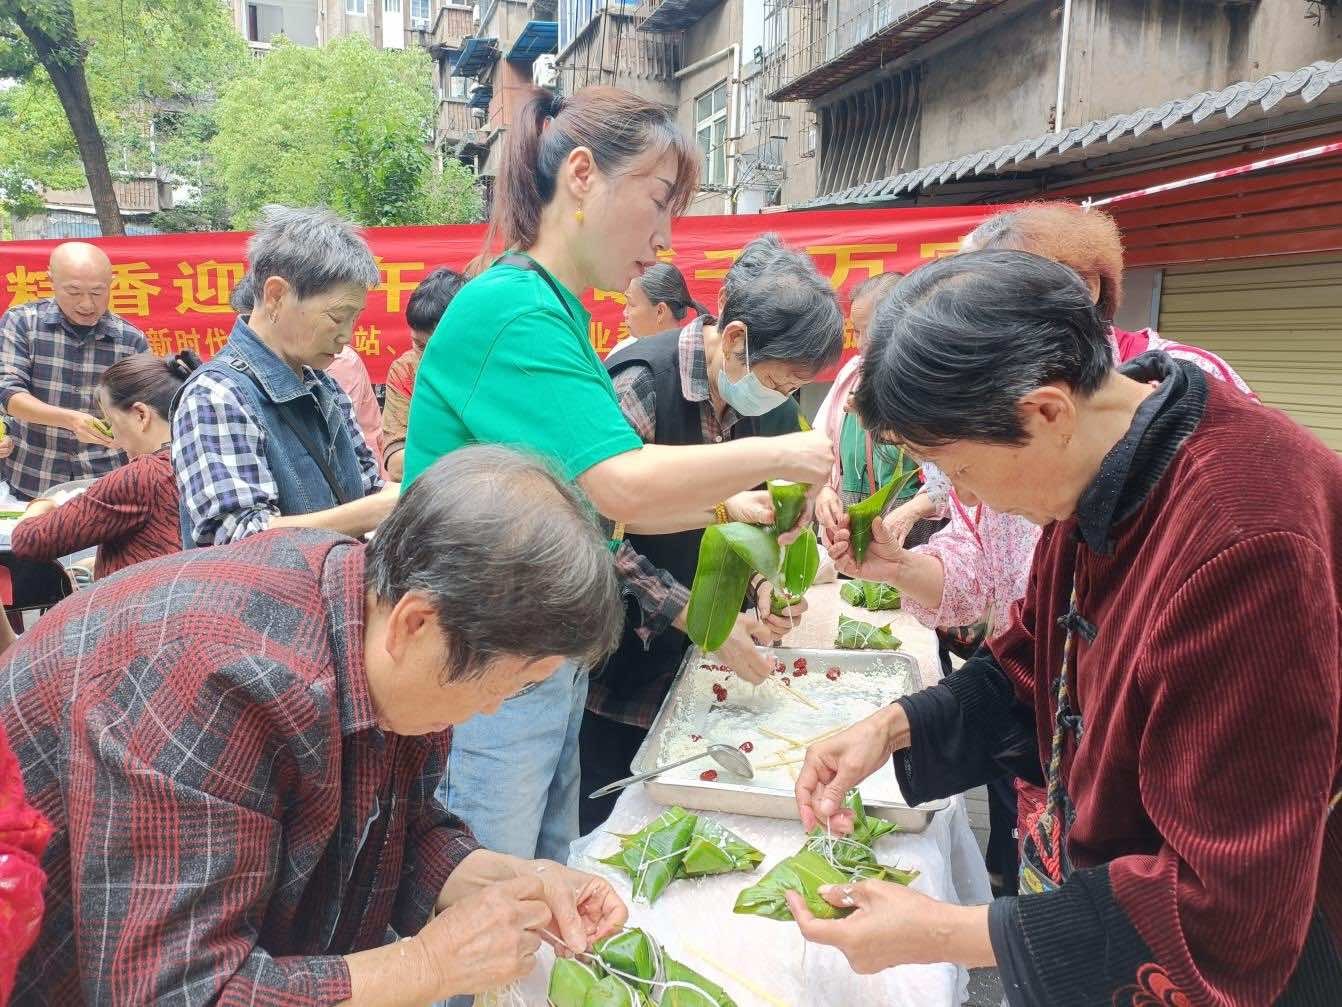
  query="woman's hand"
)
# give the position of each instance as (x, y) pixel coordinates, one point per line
(885, 559)
(751, 506)
(36, 508)
(583, 908)
(829, 510)
(807, 457)
(7, 443)
(741, 655)
(893, 925)
(771, 625)
(837, 765)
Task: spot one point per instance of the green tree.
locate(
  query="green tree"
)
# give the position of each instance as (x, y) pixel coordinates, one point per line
(103, 86)
(347, 125)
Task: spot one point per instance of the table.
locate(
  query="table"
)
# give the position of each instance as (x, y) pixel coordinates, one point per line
(764, 963)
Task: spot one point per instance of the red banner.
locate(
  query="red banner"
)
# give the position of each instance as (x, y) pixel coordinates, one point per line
(175, 287)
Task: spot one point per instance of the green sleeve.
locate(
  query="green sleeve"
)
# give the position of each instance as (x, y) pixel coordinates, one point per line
(541, 388)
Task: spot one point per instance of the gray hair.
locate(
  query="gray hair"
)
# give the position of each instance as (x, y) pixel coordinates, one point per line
(789, 310)
(959, 342)
(312, 248)
(243, 298)
(510, 557)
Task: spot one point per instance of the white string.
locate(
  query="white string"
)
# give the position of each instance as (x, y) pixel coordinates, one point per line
(639, 875)
(625, 977)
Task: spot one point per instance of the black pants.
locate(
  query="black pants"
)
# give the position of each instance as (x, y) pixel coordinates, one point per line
(606, 748)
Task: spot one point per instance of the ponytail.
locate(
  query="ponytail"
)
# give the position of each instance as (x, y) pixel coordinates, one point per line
(615, 125)
(663, 283)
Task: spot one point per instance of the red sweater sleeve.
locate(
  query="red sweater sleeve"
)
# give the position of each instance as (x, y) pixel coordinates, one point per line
(115, 506)
(1241, 665)
(23, 837)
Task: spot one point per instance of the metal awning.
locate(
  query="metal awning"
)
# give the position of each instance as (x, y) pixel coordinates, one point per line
(476, 54)
(537, 38)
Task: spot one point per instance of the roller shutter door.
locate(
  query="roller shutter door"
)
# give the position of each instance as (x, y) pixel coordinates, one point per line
(1277, 321)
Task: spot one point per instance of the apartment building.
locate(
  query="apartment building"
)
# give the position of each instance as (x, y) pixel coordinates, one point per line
(389, 24)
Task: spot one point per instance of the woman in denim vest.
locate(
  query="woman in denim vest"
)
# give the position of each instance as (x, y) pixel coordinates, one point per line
(262, 437)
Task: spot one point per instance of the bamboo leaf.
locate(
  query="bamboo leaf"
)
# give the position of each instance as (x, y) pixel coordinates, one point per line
(801, 563)
(862, 513)
(789, 499)
(721, 579)
(854, 634)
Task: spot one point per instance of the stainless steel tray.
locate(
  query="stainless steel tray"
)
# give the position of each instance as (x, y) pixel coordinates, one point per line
(897, 675)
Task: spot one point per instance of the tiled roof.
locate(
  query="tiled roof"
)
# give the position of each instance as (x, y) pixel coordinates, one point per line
(1274, 94)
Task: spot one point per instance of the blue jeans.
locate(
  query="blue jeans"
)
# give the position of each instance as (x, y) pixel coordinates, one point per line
(513, 776)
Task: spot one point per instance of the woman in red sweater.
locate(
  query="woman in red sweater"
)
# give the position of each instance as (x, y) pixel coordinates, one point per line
(1171, 676)
(130, 514)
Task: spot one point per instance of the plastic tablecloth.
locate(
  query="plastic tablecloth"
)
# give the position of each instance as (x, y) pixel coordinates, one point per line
(764, 963)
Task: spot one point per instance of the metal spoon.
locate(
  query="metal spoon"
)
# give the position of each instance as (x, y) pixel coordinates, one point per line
(725, 756)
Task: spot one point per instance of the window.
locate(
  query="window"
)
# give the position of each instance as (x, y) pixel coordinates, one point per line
(419, 9)
(359, 7)
(710, 129)
(391, 6)
(456, 88)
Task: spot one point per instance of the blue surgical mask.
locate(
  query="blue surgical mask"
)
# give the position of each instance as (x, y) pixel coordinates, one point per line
(748, 396)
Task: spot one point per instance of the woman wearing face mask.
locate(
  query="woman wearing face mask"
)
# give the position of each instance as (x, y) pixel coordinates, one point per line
(587, 189)
(655, 302)
(778, 325)
(130, 514)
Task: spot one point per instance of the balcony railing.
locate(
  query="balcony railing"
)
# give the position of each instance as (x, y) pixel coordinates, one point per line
(825, 54)
(672, 15)
(452, 25)
(455, 120)
(259, 50)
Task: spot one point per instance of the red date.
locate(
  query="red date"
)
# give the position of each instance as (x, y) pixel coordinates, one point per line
(719, 693)
(747, 746)
(832, 674)
(709, 775)
(696, 737)
(799, 664)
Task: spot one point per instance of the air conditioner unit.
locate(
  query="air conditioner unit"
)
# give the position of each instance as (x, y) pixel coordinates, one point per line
(419, 24)
(544, 73)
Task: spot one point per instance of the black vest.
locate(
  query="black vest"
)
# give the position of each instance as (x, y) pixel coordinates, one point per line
(631, 670)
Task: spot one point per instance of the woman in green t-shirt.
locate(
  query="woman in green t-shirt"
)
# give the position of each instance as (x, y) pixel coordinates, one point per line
(586, 192)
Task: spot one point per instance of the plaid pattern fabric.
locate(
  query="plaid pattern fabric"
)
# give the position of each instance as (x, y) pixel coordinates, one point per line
(219, 452)
(43, 355)
(660, 596)
(198, 731)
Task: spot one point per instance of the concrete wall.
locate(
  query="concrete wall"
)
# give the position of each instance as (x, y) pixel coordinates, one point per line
(715, 31)
(1128, 54)
(996, 82)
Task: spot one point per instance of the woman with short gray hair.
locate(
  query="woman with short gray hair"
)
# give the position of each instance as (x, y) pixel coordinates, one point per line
(262, 437)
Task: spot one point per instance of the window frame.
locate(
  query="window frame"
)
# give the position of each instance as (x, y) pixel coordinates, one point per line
(714, 124)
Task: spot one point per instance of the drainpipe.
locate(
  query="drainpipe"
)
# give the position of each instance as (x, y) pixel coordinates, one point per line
(733, 122)
(1062, 63)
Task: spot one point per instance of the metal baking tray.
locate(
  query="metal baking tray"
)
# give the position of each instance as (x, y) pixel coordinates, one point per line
(899, 676)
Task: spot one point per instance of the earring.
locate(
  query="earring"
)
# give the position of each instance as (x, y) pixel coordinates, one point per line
(578, 215)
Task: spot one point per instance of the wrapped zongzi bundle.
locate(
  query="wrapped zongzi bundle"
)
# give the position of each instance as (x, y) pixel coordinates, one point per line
(804, 873)
(705, 848)
(871, 595)
(652, 857)
(687, 988)
(614, 992)
(854, 853)
(715, 850)
(630, 954)
(570, 982)
(854, 634)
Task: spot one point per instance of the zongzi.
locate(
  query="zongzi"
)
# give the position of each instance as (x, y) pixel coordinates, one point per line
(804, 873)
(854, 634)
(871, 595)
